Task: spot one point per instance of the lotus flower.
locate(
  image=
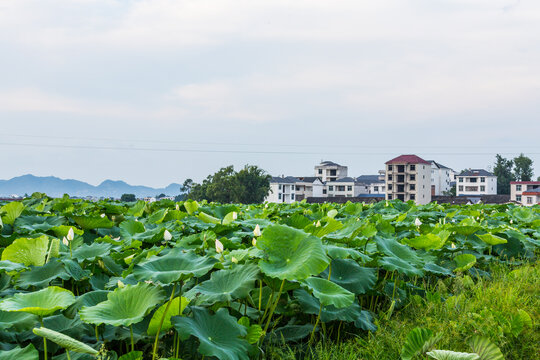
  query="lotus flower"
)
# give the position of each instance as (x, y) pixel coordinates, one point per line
(234, 215)
(318, 224)
(167, 235)
(70, 234)
(65, 241)
(234, 260)
(417, 222)
(120, 284)
(1, 223)
(254, 242)
(257, 231)
(177, 207)
(219, 246)
(102, 215)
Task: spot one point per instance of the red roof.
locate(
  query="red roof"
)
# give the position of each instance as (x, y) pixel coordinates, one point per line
(525, 182)
(534, 192)
(408, 159)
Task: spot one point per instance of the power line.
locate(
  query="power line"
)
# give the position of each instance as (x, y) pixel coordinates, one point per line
(187, 150)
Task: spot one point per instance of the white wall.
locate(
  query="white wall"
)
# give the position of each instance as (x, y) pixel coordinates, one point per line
(471, 188)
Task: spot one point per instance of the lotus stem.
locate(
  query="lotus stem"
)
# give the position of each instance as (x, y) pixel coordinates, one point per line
(44, 340)
(260, 294)
(67, 354)
(315, 327)
(156, 341)
(97, 333)
(274, 306)
(329, 271)
(131, 334)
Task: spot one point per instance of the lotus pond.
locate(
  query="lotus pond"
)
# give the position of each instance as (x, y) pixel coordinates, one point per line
(167, 280)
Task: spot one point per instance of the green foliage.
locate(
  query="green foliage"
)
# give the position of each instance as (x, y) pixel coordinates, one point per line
(419, 341)
(523, 169)
(128, 197)
(64, 341)
(42, 303)
(503, 171)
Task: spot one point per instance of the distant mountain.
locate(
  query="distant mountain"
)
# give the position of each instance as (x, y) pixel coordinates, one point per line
(56, 187)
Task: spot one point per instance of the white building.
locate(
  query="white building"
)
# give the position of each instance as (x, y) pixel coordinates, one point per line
(531, 197)
(372, 184)
(308, 186)
(517, 188)
(344, 187)
(282, 190)
(441, 178)
(330, 171)
(408, 177)
(476, 182)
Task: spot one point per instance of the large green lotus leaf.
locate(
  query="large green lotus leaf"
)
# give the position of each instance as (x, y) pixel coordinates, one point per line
(74, 270)
(289, 333)
(418, 341)
(90, 252)
(65, 341)
(43, 302)
(452, 355)
(131, 227)
(17, 321)
(175, 309)
(9, 266)
(339, 252)
(63, 230)
(151, 236)
(32, 223)
(426, 242)
(191, 206)
(485, 349)
(91, 298)
(491, 239)
(436, 269)
(89, 222)
(330, 293)
(219, 334)
(400, 258)
(228, 285)
(464, 262)
(291, 253)
(11, 211)
(27, 251)
(399, 265)
(137, 209)
(124, 306)
(27, 353)
(158, 216)
(174, 266)
(41, 276)
(348, 274)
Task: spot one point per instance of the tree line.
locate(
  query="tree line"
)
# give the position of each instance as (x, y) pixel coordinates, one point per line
(517, 169)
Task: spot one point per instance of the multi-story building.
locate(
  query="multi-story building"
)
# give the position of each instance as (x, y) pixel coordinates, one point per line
(531, 197)
(330, 171)
(372, 184)
(308, 186)
(476, 182)
(408, 177)
(282, 189)
(517, 188)
(441, 178)
(343, 187)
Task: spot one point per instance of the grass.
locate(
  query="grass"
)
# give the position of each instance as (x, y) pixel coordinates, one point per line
(457, 308)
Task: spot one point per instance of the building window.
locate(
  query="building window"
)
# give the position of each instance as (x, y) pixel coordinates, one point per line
(389, 167)
(482, 188)
(349, 195)
(292, 196)
(279, 186)
(349, 188)
(292, 188)
(482, 179)
(279, 196)
(460, 179)
(412, 187)
(529, 200)
(471, 188)
(460, 187)
(389, 177)
(389, 196)
(412, 196)
(375, 188)
(320, 171)
(298, 188)
(331, 188)
(518, 187)
(473, 180)
(340, 188)
(412, 167)
(412, 177)
(518, 198)
(324, 191)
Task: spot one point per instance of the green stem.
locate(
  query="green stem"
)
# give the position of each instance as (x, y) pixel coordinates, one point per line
(67, 354)
(97, 333)
(70, 252)
(274, 306)
(131, 334)
(315, 327)
(44, 340)
(156, 341)
(260, 294)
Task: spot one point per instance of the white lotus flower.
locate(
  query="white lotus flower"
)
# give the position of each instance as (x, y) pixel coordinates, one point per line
(318, 224)
(120, 284)
(65, 241)
(102, 215)
(177, 207)
(257, 231)
(219, 246)
(1, 223)
(234, 215)
(167, 235)
(70, 234)
(417, 222)
(254, 242)
(234, 260)
(453, 246)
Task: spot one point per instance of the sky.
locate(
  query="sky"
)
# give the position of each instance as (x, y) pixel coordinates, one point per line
(157, 91)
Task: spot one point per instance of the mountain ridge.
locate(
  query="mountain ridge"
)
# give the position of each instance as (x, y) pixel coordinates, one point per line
(56, 187)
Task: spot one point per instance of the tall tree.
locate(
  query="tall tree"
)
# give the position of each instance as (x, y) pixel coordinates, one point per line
(128, 197)
(252, 185)
(503, 171)
(523, 170)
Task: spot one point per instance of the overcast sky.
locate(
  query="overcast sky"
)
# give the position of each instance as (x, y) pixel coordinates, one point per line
(154, 92)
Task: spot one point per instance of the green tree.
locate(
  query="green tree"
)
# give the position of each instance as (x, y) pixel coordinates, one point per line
(252, 185)
(503, 171)
(523, 170)
(450, 192)
(128, 197)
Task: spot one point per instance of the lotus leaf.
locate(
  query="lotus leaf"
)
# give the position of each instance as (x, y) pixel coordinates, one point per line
(176, 308)
(42, 303)
(485, 349)
(93, 222)
(64, 341)
(452, 355)
(219, 334)
(124, 306)
(27, 353)
(174, 266)
(11, 211)
(419, 341)
(330, 293)
(348, 274)
(27, 251)
(41, 276)
(90, 252)
(464, 262)
(426, 242)
(291, 253)
(491, 239)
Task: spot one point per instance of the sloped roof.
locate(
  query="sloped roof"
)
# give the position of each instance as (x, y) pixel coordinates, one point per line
(369, 179)
(329, 163)
(283, 180)
(407, 159)
(344, 180)
(525, 182)
(439, 165)
(476, 172)
(308, 179)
